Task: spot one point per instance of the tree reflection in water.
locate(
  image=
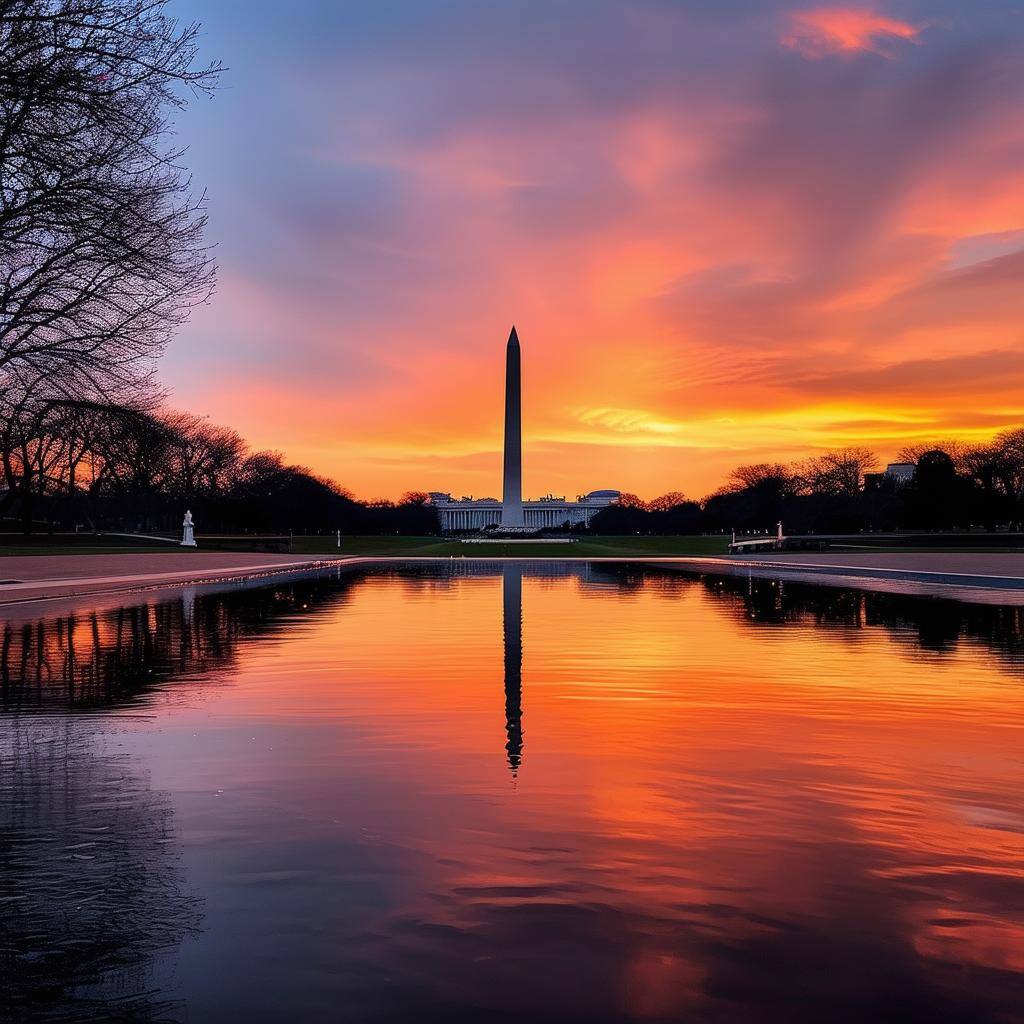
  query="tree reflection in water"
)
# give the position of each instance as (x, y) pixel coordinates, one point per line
(932, 624)
(96, 661)
(91, 885)
(93, 902)
(92, 894)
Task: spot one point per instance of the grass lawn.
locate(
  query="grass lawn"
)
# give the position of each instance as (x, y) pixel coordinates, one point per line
(434, 547)
(413, 547)
(588, 547)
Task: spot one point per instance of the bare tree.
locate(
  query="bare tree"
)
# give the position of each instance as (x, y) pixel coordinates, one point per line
(631, 501)
(204, 459)
(771, 477)
(1010, 446)
(133, 456)
(667, 501)
(958, 451)
(101, 250)
(259, 472)
(838, 472)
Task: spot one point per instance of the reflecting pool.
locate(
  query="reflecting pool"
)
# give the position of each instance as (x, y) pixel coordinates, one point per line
(513, 792)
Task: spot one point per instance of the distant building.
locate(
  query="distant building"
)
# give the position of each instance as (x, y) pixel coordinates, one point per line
(901, 473)
(897, 475)
(512, 513)
(458, 514)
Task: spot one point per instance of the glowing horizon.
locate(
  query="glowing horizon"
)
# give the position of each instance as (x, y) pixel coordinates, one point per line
(724, 236)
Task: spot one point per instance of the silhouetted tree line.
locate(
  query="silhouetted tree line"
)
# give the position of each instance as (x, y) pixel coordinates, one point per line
(102, 257)
(938, 626)
(955, 486)
(119, 658)
(121, 467)
(91, 883)
(103, 466)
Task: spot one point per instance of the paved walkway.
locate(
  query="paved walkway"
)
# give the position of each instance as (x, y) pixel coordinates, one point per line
(987, 576)
(968, 563)
(998, 577)
(41, 577)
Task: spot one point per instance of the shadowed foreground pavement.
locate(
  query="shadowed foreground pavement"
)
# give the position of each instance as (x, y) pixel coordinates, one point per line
(44, 577)
(968, 563)
(986, 576)
(41, 577)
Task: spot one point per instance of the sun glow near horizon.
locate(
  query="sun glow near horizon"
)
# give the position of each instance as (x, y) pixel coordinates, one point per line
(751, 236)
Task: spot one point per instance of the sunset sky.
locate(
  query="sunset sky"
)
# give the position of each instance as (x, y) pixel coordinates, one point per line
(726, 232)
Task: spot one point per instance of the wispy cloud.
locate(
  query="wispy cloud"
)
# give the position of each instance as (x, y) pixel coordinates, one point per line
(846, 30)
(715, 251)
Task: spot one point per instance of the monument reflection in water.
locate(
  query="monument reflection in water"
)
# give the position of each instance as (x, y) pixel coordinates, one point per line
(512, 621)
(352, 798)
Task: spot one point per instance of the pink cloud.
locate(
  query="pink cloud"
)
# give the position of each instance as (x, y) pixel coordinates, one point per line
(846, 30)
(724, 259)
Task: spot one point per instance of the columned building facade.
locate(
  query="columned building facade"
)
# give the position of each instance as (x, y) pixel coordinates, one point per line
(464, 515)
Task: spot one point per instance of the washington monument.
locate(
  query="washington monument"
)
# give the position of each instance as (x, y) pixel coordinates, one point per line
(512, 493)
(516, 517)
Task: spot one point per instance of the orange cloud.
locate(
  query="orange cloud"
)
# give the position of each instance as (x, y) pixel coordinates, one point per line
(711, 262)
(845, 30)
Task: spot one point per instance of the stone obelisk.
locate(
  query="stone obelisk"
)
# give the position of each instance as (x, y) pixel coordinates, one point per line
(512, 494)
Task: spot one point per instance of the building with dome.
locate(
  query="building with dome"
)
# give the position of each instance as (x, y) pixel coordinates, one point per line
(464, 514)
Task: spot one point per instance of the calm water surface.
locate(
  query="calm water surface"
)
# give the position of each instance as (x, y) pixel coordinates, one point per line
(541, 792)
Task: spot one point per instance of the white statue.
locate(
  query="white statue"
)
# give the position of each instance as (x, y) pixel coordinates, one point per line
(187, 539)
